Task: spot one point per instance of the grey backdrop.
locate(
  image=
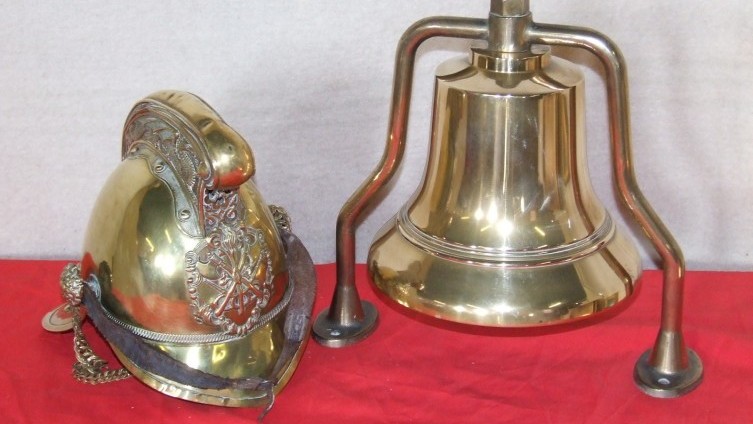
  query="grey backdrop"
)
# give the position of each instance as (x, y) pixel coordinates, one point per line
(309, 83)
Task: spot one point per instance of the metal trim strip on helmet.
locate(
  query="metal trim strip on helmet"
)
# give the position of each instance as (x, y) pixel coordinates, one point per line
(147, 357)
(93, 284)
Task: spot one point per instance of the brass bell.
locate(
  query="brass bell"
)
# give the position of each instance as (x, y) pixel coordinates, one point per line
(505, 229)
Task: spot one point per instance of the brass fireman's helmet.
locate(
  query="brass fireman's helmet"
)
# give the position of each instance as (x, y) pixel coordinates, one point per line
(197, 284)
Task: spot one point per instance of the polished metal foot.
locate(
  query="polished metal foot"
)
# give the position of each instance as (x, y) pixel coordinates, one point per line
(331, 332)
(661, 384)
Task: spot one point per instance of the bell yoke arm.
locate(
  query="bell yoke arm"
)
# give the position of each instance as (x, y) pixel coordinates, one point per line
(619, 118)
(669, 369)
(349, 319)
(409, 43)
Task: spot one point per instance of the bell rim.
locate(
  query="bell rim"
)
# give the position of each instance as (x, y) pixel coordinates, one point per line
(405, 293)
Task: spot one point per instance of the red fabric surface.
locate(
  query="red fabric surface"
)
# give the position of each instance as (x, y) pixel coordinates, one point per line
(413, 369)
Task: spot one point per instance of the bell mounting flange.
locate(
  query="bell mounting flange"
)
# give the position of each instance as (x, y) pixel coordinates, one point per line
(659, 384)
(330, 331)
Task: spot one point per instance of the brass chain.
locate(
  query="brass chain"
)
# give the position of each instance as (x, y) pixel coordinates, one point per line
(281, 217)
(90, 368)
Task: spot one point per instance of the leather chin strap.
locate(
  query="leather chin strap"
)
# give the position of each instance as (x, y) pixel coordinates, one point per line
(152, 360)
